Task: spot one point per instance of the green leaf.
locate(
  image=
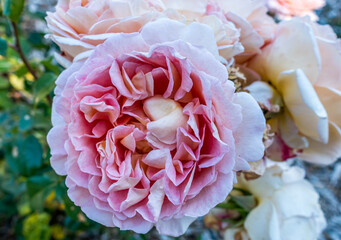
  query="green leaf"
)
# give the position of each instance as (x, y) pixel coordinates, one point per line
(1, 8)
(5, 66)
(36, 39)
(243, 191)
(234, 223)
(6, 206)
(227, 205)
(49, 66)
(33, 152)
(4, 83)
(38, 183)
(13, 9)
(5, 101)
(26, 46)
(26, 121)
(246, 202)
(3, 47)
(71, 209)
(21, 71)
(41, 121)
(44, 86)
(24, 155)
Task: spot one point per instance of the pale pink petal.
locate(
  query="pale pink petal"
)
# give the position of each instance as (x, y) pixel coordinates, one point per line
(249, 38)
(82, 198)
(72, 46)
(56, 139)
(211, 195)
(137, 223)
(242, 8)
(157, 158)
(196, 34)
(156, 198)
(175, 226)
(248, 132)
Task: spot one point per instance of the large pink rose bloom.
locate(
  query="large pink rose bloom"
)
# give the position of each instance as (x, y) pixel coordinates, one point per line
(149, 130)
(286, 9)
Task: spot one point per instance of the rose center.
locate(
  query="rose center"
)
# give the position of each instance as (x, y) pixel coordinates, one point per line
(158, 107)
(166, 117)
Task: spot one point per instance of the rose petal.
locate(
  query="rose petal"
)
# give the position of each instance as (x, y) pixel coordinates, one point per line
(324, 154)
(304, 105)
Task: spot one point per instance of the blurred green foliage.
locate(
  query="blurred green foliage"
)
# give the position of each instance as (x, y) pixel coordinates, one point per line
(237, 206)
(33, 200)
(13, 9)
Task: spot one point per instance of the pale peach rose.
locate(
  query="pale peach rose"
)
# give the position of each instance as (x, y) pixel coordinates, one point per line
(78, 26)
(256, 27)
(303, 64)
(286, 9)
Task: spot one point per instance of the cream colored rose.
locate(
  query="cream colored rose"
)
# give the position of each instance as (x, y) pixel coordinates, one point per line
(303, 64)
(256, 27)
(288, 207)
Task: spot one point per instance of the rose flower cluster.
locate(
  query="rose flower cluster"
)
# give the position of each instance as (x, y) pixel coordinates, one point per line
(165, 103)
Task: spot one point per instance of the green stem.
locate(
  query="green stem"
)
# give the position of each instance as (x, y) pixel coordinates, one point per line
(18, 48)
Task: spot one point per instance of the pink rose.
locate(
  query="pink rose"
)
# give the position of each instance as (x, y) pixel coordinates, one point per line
(149, 130)
(286, 9)
(79, 26)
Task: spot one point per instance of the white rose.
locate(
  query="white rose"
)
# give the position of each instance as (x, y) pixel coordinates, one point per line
(288, 207)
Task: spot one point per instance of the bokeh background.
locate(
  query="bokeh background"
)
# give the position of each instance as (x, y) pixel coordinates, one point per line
(33, 200)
